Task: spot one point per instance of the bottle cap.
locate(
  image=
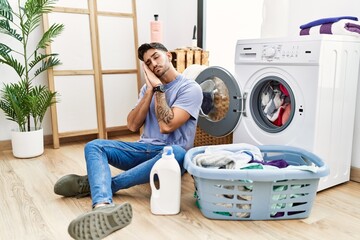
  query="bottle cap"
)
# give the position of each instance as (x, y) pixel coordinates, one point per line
(168, 150)
(156, 16)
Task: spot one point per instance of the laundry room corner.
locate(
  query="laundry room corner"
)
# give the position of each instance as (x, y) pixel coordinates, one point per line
(265, 16)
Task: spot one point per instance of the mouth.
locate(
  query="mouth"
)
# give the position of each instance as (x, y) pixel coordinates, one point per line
(157, 69)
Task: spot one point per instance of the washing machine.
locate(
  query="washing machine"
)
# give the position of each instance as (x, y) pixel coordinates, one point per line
(290, 91)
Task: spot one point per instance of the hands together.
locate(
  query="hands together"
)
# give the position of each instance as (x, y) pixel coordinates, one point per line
(151, 79)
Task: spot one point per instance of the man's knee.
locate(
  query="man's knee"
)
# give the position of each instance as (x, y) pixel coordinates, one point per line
(96, 143)
(179, 153)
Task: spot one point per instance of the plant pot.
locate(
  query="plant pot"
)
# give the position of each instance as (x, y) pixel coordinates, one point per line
(27, 144)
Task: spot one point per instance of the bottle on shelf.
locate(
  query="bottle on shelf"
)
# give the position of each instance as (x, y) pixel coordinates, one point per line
(156, 30)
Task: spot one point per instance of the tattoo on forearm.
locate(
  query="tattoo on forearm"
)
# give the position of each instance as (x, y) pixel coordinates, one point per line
(163, 111)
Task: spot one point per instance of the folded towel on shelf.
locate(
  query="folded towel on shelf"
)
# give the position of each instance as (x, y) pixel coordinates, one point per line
(326, 20)
(341, 27)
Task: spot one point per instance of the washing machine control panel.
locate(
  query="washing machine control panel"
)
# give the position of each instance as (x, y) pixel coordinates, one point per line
(279, 52)
(295, 52)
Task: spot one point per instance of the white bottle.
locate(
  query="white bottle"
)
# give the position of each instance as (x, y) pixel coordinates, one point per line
(165, 197)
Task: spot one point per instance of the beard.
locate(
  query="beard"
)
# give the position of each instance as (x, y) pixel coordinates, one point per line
(162, 71)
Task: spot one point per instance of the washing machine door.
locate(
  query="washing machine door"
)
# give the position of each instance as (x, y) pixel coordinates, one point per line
(222, 103)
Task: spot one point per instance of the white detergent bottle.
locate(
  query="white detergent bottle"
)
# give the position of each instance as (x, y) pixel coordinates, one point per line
(165, 196)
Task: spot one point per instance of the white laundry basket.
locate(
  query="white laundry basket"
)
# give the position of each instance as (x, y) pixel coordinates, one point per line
(257, 194)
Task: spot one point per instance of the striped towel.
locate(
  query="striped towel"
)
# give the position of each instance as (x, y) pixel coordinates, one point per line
(341, 27)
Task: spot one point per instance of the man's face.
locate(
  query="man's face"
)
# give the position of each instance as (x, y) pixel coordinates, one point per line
(157, 61)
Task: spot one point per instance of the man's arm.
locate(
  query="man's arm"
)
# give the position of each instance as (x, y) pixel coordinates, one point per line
(169, 119)
(136, 117)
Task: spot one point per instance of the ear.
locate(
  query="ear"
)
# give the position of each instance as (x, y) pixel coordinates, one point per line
(169, 55)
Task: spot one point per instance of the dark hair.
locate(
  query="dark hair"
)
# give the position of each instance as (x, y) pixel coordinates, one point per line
(146, 46)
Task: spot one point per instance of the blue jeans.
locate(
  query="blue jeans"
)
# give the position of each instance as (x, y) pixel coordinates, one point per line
(136, 159)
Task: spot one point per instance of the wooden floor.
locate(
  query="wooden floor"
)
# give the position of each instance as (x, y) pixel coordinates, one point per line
(30, 210)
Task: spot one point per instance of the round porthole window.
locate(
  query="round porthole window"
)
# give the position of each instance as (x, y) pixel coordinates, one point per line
(221, 106)
(215, 103)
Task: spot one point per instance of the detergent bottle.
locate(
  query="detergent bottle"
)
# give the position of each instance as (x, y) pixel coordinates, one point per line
(165, 196)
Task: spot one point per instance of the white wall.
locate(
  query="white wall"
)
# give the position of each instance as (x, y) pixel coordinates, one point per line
(227, 21)
(178, 19)
(275, 18)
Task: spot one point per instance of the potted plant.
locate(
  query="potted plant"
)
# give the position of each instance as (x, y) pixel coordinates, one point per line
(23, 101)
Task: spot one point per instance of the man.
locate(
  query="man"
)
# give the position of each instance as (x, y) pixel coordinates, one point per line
(168, 108)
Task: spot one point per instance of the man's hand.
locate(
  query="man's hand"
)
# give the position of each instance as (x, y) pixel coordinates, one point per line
(151, 79)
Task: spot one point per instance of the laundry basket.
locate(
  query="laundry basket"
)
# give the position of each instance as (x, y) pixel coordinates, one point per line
(257, 194)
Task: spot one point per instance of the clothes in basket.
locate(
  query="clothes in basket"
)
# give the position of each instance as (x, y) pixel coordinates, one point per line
(245, 182)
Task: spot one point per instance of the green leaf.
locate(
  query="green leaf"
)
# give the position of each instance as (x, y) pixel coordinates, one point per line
(38, 7)
(13, 103)
(6, 28)
(4, 50)
(15, 64)
(5, 10)
(40, 99)
(33, 10)
(49, 63)
(39, 58)
(31, 24)
(50, 34)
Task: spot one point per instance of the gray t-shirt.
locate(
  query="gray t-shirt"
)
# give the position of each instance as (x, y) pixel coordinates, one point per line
(182, 93)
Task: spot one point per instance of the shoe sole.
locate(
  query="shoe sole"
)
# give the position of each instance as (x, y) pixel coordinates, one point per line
(98, 224)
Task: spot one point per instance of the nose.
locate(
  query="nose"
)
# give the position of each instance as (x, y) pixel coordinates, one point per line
(153, 64)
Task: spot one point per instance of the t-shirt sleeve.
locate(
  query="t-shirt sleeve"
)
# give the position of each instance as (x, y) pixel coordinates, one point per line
(189, 99)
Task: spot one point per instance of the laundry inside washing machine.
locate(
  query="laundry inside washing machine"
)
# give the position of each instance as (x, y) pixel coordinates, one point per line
(272, 104)
(215, 103)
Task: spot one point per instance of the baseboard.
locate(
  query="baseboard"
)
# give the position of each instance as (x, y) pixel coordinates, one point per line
(5, 145)
(48, 139)
(355, 174)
